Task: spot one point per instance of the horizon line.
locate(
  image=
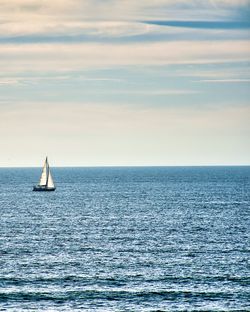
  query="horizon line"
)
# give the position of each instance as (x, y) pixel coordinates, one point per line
(128, 166)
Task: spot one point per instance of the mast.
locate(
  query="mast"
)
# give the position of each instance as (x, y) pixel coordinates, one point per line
(47, 171)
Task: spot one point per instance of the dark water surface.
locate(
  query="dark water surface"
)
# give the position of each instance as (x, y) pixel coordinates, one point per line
(126, 239)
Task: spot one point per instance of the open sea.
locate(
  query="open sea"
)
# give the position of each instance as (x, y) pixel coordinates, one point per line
(126, 239)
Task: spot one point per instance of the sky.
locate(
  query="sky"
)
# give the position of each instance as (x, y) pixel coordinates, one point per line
(124, 82)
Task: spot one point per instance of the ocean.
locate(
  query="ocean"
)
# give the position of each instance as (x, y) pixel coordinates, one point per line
(126, 239)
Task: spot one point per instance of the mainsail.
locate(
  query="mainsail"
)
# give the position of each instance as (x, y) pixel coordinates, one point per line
(43, 179)
(46, 177)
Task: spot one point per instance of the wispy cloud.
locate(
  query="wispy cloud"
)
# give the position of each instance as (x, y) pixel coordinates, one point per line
(117, 18)
(225, 80)
(64, 57)
(105, 9)
(53, 30)
(203, 24)
(9, 81)
(155, 92)
(238, 73)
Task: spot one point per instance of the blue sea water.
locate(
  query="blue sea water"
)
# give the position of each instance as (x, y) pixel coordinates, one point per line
(126, 239)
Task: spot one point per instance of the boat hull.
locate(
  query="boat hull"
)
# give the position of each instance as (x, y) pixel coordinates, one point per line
(43, 189)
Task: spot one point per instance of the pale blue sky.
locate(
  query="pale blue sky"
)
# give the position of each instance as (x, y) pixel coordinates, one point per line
(97, 83)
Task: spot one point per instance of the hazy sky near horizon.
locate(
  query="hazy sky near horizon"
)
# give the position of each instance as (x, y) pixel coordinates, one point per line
(104, 82)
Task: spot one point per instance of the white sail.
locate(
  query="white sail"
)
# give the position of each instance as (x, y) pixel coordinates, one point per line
(43, 179)
(50, 182)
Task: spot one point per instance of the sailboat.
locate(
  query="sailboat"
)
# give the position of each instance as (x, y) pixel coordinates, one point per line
(46, 182)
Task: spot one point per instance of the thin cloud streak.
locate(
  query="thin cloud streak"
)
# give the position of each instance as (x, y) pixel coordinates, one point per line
(54, 29)
(27, 79)
(9, 81)
(228, 25)
(153, 92)
(60, 57)
(224, 80)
